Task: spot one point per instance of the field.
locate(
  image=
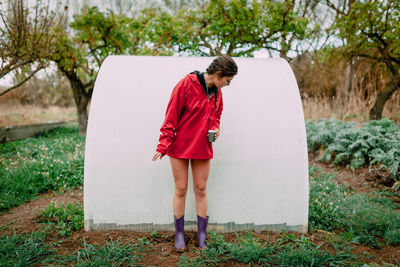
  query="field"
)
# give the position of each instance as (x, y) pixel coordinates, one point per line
(354, 208)
(14, 114)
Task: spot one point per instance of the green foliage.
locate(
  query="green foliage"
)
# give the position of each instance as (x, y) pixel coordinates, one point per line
(32, 250)
(393, 236)
(237, 27)
(375, 142)
(24, 250)
(113, 253)
(367, 218)
(50, 161)
(216, 253)
(105, 33)
(321, 133)
(96, 35)
(372, 29)
(64, 219)
(325, 200)
(286, 250)
(302, 252)
(250, 250)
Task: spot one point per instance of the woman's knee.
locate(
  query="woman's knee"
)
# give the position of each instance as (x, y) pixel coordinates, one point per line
(200, 191)
(180, 191)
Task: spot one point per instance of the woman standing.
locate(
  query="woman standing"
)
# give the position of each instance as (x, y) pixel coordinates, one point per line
(194, 108)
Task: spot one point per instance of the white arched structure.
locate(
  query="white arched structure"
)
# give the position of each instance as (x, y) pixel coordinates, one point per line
(259, 174)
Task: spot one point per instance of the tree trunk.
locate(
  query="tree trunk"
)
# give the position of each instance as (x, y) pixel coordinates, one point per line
(348, 84)
(349, 80)
(376, 112)
(83, 116)
(81, 98)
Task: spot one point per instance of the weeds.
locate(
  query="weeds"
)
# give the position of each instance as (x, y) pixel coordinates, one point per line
(64, 219)
(50, 161)
(113, 253)
(249, 249)
(25, 250)
(286, 251)
(367, 218)
(31, 250)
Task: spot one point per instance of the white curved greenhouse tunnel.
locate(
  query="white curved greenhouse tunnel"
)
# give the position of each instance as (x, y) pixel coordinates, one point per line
(259, 173)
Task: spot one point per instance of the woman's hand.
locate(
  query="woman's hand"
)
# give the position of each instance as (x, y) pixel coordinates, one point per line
(216, 134)
(158, 155)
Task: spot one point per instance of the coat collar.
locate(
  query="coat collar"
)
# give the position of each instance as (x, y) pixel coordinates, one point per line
(200, 77)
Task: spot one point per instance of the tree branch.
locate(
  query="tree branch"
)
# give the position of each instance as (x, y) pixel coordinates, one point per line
(332, 6)
(22, 82)
(13, 66)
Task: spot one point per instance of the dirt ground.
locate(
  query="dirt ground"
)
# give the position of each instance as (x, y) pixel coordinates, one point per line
(22, 219)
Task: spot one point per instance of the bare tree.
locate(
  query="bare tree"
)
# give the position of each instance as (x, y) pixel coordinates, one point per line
(26, 38)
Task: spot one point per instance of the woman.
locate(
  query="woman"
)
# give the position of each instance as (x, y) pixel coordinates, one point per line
(194, 108)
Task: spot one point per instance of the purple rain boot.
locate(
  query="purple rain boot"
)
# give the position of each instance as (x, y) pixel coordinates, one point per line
(202, 231)
(179, 234)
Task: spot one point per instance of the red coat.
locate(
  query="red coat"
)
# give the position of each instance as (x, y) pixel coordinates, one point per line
(190, 114)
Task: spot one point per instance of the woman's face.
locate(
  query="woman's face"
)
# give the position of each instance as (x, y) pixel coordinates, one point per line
(223, 81)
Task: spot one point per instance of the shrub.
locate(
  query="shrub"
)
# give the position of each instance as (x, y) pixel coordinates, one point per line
(375, 142)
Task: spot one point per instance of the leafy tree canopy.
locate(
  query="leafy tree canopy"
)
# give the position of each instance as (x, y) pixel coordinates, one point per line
(372, 30)
(237, 27)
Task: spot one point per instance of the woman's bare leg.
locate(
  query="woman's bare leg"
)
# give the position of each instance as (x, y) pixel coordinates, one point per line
(200, 170)
(180, 172)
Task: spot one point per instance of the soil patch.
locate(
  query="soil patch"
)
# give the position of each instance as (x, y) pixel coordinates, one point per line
(21, 219)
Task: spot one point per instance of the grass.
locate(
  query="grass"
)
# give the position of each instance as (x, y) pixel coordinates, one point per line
(31, 250)
(366, 218)
(285, 251)
(63, 218)
(25, 250)
(113, 253)
(50, 161)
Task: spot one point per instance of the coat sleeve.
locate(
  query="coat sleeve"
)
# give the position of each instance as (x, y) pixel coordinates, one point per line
(174, 109)
(220, 105)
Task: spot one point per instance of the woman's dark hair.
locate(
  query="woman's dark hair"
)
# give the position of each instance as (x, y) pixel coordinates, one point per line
(225, 64)
(228, 68)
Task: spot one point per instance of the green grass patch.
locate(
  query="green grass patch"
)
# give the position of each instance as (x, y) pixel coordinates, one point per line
(49, 161)
(32, 250)
(25, 250)
(286, 251)
(365, 217)
(63, 218)
(113, 253)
